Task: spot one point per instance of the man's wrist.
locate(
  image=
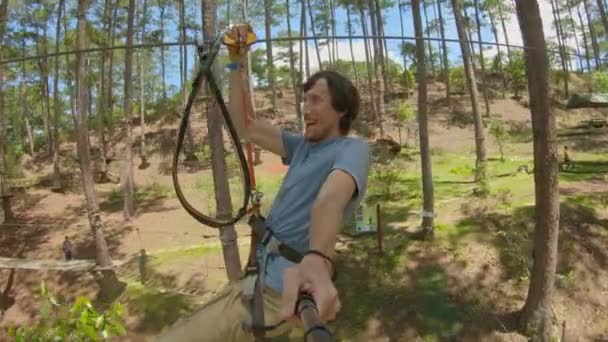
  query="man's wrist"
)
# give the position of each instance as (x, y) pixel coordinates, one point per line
(320, 260)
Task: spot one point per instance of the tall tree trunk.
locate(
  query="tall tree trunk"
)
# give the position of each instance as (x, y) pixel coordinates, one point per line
(6, 200)
(350, 42)
(104, 89)
(536, 312)
(223, 201)
(560, 42)
(314, 34)
(103, 255)
(574, 33)
(501, 14)
(292, 71)
(446, 65)
(372, 98)
(162, 49)
(437, 35)
(44, 89)
(386, 86)
(602, 10)
(585, 41)
(377, 60)
(592, 33)
(469, 32)
(425, 152)
(427, 33)
(480, 145)
(142, 88)
(26, 108)
(109, 281)
(69, 72)
(564, 36)
(269, 56)
(333, 28)
(56, 102)
(401, 9)
(183, 64)
(500, 65)
(486, 98)
(129, 205)
(109, 106)
(304, 32)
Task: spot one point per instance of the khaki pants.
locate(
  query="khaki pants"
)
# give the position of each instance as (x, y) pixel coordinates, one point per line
(221, 318)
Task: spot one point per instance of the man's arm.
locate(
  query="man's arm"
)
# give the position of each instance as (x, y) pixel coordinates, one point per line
(328, 209)
(314, 272)
(259, 132)
(265, 135)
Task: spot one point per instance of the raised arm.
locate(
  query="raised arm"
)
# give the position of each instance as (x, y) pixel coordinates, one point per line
(265, 135)
(258, 131)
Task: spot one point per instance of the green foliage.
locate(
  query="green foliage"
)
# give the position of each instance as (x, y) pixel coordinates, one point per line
(516, 71)
(407, 81)
(497, 61)
(11, 160)
(78, 322)
(384, 178)
(405, 113)
(499, 132)
(148, 192)
(599, 81)
(457, 79)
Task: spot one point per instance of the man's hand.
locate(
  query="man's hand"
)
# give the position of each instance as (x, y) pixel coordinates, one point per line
(311, 275)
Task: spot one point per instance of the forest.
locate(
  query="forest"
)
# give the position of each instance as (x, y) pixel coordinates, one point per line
(486, 213)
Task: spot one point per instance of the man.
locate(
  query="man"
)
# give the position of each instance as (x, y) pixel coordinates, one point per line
(326, 180)
(67, 248)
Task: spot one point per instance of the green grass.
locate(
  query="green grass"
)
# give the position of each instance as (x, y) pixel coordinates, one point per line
(163, 257)
(155, 309)
(203, 188)
(148, 192)
(439, 317)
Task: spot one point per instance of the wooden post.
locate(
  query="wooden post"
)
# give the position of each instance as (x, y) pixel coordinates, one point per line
(379, 224)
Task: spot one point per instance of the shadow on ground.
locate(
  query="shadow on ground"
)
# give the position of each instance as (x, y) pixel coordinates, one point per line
(408, 293)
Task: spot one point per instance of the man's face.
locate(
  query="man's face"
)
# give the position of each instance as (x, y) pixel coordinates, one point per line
(321, 119)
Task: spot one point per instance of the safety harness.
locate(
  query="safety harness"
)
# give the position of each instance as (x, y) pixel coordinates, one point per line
(263, 239)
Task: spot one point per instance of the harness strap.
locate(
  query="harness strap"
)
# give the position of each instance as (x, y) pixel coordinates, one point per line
(253, 297)
(270, 242)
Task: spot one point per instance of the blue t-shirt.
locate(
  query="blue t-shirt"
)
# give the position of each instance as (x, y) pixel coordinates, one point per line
(309, 165)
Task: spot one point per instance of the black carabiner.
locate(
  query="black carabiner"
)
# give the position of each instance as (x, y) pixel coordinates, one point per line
(206, 61)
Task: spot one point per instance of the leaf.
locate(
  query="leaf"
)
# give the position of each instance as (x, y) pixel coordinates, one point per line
(99, 321)
(90, 332)
(53, 301)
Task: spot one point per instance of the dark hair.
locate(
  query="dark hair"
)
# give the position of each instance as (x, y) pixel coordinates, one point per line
(344, 95)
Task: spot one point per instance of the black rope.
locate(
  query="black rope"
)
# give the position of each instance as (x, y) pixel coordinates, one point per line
(207, 56)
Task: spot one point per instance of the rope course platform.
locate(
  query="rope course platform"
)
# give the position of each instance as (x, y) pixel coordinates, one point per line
(55, 265)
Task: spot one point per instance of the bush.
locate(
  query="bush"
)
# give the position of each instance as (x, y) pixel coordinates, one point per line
(457, 79)
(516, 71)
(599, 82)
(499, 132)
(406, 117)
(80, 322)
(407, 80)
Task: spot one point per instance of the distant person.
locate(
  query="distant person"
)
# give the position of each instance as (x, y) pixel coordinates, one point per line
(67, 248)
(567, 163)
